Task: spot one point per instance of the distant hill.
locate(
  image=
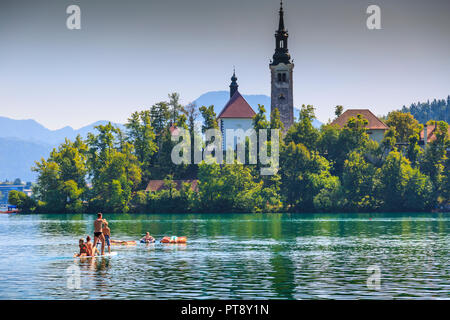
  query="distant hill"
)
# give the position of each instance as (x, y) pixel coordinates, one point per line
(31, 130)
(18, 156)
(22, 142)
(220, 98)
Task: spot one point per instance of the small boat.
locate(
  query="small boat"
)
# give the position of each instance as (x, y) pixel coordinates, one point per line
(9, 210)
(123, 243)
(174, 239)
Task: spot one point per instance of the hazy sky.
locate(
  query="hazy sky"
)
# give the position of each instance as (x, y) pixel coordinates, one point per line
(131, 54)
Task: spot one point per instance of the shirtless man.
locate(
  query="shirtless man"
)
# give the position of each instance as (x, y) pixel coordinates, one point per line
(98, 232)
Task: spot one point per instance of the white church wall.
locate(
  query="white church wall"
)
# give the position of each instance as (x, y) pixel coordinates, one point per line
(234, 123)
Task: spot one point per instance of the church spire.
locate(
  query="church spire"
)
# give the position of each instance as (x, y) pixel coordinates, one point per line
(281, 54)
(233, 86)
(281, 22)
(281, 75)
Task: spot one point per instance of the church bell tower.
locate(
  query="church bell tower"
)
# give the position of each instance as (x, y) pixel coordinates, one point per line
(281, 69)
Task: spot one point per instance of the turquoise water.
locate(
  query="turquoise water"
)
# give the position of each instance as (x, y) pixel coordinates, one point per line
(230, 256)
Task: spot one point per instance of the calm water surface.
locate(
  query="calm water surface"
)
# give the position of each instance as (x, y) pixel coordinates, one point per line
(254, 256)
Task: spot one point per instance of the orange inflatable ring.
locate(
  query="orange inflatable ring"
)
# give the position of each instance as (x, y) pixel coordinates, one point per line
(174, 240)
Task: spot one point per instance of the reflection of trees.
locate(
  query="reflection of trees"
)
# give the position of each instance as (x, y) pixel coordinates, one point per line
(283, 278)
(62, 224)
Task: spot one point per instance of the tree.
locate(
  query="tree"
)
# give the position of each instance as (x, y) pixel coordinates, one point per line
(401, 187)
(114, 170)
(338, 111)
(23, 202)
(404, 124)
(48, 188)
(175, 106)
(357, 184)
(160, 115)
(61, 183)
(303, 174)
(209, 118)
(192, 114)
(230, 188)
(71, 158)
(336, 143)
(303, 131)
(259, 120)
(424, 111)
(414, 152)
(435, 155)
(141, 135)
(445, 186)
(275, 120)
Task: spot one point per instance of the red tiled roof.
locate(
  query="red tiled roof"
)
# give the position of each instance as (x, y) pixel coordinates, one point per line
(158, 185)
(237, 107)
(374, 122)
(431, 136)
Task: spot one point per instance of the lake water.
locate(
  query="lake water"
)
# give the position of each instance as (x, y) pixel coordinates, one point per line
(230, 256)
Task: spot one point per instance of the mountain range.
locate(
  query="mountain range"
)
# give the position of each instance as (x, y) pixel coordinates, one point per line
(22, 142)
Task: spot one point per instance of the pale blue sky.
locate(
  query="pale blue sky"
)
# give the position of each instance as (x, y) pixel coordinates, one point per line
(131, 54)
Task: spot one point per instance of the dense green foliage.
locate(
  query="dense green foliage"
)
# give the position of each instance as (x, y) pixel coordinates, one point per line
(426, 111)
(329, 169)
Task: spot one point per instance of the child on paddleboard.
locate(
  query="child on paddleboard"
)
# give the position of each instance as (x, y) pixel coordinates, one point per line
(91, 250)
(83, 249)
(107, 234)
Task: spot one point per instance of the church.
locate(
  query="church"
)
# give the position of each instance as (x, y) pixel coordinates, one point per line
(238, 114)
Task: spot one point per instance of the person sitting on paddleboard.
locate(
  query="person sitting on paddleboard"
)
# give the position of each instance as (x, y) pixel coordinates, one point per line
(148, 238)
(92, 251)
(98, 232)
(83, 249)
(107, 234)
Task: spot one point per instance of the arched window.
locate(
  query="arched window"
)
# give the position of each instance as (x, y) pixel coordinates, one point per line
(284, 77)
(279, 77)
(281, 44)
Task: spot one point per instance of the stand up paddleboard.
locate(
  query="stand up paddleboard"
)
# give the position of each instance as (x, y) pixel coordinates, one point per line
(105, 255)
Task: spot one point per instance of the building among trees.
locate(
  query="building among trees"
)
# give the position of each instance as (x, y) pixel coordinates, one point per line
(428, 134)
(158, 185)
(375, 127)
(237, 114)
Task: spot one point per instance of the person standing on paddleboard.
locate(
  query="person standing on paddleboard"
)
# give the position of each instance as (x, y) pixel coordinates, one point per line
(98, 232)
(107, 234)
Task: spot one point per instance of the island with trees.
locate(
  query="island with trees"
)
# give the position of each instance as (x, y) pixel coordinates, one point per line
(331, 169)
